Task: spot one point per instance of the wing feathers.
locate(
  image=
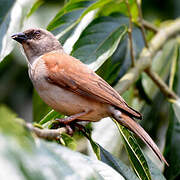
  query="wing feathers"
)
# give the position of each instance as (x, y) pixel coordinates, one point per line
(70, 73)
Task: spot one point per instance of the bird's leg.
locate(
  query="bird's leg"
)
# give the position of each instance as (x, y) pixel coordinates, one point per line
(71, 118)
(69, 121)
(70, 130)
(70, 127)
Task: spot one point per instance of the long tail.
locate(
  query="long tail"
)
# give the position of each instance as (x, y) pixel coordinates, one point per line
(128, 122)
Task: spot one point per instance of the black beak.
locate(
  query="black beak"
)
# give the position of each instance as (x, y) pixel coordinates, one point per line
(19, 37)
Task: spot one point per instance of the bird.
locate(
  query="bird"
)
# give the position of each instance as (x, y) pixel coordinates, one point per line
(72, 88)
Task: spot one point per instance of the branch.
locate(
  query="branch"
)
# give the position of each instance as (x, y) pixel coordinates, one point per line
(146, 55)
(130, 34)
(138, 3)
(49, 134)
(160, 83)
(150, 26)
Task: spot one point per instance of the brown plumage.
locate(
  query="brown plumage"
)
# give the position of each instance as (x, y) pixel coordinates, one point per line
(71, 88)
(72, 74)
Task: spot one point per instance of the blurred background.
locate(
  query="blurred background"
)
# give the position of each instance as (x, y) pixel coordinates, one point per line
(16, 90)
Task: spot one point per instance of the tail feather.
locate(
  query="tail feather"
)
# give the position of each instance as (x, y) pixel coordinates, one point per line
(128, 122)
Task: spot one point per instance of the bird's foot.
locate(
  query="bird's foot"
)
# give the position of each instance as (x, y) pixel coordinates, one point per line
(70, 122)
(70, 126)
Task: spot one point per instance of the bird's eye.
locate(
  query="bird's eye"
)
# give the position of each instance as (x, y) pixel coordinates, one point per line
(37, 32)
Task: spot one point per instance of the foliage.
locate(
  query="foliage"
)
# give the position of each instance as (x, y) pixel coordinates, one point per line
(97, 33)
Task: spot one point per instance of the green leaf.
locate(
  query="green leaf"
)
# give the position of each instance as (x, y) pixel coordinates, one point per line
(96, 5)
(120, 7)
(108, 158)
(73, 12)
(57, 162)
(94, 145)
(93, 38)
(124, 170)
(5, 14)
(120, 167)
(71, 20)
(69, 141)
(69, 14)
(156, 174)
(113, 70)
(35, 6)
(120, 61)
(135, 154)
(51, 115)
(176, 107)
(172, 148)
(10, 125)
(12, 15)
(174, 77)
(21, 158)
(116, 164)
(99, 41)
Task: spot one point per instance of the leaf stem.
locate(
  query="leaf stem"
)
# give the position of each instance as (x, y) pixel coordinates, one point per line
(130, 34)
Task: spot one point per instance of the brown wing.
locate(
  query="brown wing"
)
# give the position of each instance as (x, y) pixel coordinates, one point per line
(70, 73)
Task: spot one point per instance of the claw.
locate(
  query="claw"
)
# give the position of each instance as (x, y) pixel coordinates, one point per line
(70, 130)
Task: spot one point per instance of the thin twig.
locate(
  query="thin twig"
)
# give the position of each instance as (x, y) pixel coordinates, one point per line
(138, 3)
(147, 55)
(161, 84)
(130, 34)
(173, 67)
(49, 134)
(150, 26)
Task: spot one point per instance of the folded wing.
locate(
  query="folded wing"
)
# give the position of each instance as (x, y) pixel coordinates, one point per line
(72, 74)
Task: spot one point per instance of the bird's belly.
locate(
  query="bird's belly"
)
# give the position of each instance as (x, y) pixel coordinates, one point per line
(69, 103)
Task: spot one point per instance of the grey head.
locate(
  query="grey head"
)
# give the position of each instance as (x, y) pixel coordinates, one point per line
(37, 42)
